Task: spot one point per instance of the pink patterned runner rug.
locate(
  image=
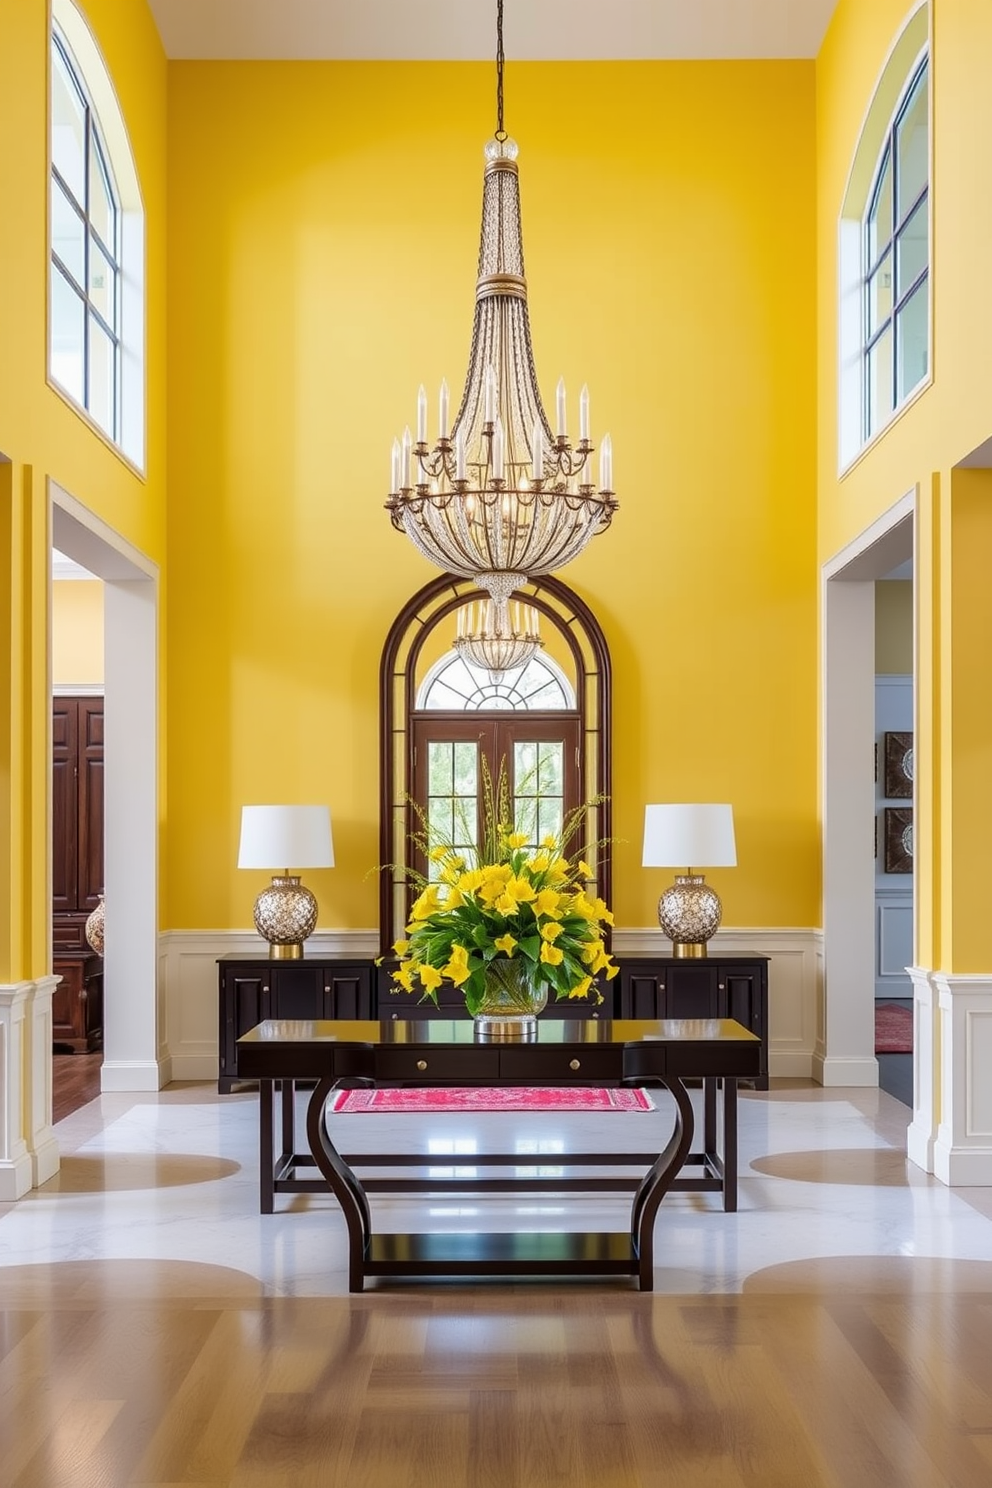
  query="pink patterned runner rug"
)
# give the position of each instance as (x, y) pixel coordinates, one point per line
(482, 1098)
(893, 1029)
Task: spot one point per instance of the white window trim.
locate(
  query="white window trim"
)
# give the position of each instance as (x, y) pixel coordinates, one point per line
(908, 50)
(92, 70)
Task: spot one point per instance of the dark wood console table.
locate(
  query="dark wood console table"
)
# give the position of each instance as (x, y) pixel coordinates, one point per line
(572, 1052)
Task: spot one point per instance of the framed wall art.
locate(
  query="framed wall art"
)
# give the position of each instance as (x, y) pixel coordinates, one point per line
(898, 766)
(898, 839)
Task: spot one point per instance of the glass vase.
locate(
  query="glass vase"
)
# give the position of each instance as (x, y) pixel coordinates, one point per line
(512, 1000)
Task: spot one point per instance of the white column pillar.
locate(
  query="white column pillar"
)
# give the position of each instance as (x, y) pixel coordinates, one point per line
(15, 1159)
(130, 992)
(922, 1133)
(962, 1153)
(41, 1143)
(845, 1052)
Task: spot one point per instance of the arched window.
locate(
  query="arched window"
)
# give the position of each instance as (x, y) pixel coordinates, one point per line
(884, 320)
(896, 256)
(96, 299)
(444, 722)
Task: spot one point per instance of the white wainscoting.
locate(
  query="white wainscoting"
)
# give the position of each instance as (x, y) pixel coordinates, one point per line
(188, 986)
(893, 945)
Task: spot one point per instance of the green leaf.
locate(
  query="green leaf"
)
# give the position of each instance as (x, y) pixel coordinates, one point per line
(531, 947)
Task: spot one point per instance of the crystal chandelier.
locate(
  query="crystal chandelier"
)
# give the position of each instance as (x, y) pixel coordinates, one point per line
(482, 644)
(499, 497)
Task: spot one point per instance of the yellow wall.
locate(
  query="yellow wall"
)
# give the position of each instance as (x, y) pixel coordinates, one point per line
(77, 632)
(944, 425)
(894, 626)
(323, 236)
(43, 437)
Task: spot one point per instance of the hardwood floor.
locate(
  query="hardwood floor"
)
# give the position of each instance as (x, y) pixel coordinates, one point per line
(154, 1373)
(75, 1082)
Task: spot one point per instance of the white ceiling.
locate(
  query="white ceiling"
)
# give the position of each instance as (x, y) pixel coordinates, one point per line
(462, 30)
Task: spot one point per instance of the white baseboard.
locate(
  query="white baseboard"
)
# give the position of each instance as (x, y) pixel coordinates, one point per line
(834, 1072)
(188, 991)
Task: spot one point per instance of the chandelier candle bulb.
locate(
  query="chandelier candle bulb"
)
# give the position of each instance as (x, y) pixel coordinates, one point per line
(443, 418)
(460, 455)
(489, 413)
(561, 409)
(422, 415)
(606, 464)
(395, 477)
(584, 415)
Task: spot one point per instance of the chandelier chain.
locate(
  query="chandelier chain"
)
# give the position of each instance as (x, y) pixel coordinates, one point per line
(500, 131)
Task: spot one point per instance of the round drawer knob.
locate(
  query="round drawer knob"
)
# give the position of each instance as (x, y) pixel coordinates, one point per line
(421, 1064)
(595, 1015)
(574, 1064)
(396, 1017)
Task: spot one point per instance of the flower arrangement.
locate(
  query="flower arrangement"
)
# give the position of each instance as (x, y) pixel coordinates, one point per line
(507, 909)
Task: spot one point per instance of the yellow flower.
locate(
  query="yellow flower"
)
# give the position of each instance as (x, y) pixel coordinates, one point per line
(517, 839)
(459, 953)
(426, 904)
(583, 868)
(551, 955)
(551, 930)
(404, 975)
(457, 970)
(453, 898)
(583, 907)
(602, 913)
(539, 862)
(430, 977)
(581, 988)
(591, 952)
(470, 881)
(557, 870)
(506, 943)
(611, 970)
(506, 905)
(437, 853)
(496, 872)
(401, 947)
(546, 902)
(522, 890)
(550, 841)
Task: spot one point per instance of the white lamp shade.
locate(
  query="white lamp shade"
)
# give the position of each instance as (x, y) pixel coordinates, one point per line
(685, 836)
(286, 837)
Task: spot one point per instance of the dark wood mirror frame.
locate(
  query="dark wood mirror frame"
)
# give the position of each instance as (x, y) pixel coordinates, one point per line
(579, 628)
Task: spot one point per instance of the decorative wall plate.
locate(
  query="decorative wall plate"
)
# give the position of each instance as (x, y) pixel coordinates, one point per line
(899, 766)
(898, 839)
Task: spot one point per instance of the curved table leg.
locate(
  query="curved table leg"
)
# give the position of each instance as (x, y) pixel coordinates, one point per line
(659, 1177)
(342, 1183)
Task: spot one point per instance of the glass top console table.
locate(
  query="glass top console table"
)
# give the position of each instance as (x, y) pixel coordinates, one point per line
(566, 1053)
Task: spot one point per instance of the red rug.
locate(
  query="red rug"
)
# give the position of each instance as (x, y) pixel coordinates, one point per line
(893, 1029)
(523, 1098)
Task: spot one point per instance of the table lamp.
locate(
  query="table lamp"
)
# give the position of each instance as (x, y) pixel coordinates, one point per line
(678, 836)
(300, 837)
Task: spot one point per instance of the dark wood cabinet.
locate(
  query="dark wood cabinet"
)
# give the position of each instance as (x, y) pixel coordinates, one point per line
(77, 869)
(252, 989)
(668, 987)
(77, 1002)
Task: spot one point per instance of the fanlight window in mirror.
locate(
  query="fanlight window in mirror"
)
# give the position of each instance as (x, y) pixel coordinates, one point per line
(453, 686)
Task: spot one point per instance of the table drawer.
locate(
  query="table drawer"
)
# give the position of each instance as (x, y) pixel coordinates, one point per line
(426, 1066)
(561, 1065)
